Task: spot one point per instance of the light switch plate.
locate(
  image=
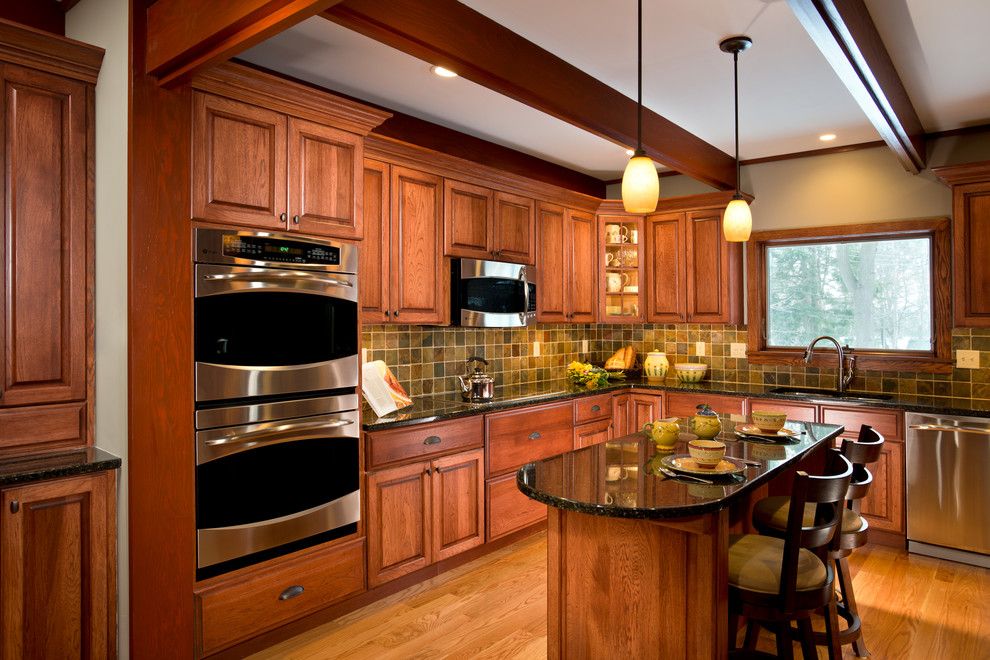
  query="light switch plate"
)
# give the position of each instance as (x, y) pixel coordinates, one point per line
(737, 350)
(584, 346)
(699, 348)
(536, 349)
(967, 359)
(364, 355)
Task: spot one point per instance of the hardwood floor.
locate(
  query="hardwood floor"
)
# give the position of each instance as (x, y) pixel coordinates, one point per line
(495, 607)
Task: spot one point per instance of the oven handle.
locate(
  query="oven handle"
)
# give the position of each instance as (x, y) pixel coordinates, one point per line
(298, 431)
(276, 277)
(949, 429)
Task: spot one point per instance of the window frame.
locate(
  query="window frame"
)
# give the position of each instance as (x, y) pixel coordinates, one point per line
(937, 360)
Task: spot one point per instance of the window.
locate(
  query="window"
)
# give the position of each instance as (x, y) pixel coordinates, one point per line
(881, 289)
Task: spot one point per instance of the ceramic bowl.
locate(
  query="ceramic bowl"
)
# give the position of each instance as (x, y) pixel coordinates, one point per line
(706, 453)
(690, 372)
(769, 420)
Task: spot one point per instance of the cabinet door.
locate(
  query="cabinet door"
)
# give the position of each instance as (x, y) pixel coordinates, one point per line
(508, 509)
(325, 166)
(551, 231)
(418, 282)
(58, 560)
(666, 269)
(514, 233)
(799, 412)
(239, 160)
(883, 505)
(374, 262)
(621, 405)
(467, 220)
(46, 231)
(582, 247)
(458, 503)
(592, 433)
(643, 408)
(714, 271)
(683, 404)
(399, 540)
(971, 245)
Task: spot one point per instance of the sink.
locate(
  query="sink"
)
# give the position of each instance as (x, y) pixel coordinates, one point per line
(815, 393)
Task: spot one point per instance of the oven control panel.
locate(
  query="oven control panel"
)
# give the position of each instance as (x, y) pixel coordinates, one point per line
(267, 248)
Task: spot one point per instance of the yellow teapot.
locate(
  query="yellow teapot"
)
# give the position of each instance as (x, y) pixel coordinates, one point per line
(705, 424)
(663, 432)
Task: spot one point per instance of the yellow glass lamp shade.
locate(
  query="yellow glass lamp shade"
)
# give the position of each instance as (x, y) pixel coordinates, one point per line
(640, 185)
(737, 221)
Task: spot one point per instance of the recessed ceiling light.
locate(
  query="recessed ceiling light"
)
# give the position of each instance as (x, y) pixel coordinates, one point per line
(629, 152)
(826, 137)
(442, 72)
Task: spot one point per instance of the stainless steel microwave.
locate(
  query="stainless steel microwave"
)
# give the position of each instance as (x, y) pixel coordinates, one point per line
(492, 294)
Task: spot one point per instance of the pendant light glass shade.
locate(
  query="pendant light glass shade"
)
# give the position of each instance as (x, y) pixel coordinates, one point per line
(640, 185)
(737, 221)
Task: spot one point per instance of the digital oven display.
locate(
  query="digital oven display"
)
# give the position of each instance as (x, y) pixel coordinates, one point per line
(261, 248)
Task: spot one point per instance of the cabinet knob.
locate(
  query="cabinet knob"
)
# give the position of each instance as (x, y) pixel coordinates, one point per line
(387, 313)
(295, 219)
(535, 435)
(15, 506)
(429, 471)
(291, 592)
(395, 314)
(282, 216)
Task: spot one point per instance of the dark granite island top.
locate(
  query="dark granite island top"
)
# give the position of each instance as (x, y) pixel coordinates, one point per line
(580, 481)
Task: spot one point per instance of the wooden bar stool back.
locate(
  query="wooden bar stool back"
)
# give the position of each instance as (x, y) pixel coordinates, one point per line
(778, 580)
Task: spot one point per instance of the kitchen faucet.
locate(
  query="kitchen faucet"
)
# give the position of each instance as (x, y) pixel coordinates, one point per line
(844, 375)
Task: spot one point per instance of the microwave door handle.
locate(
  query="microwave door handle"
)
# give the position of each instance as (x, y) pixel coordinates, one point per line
(276, 277)
(525, 285)
(298, 431)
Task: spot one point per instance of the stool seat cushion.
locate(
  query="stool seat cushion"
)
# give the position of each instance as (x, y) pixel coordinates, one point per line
(755, 565)
(773, 512)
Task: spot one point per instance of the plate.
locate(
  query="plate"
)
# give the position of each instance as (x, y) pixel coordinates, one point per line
(684, 463)
(753, 429)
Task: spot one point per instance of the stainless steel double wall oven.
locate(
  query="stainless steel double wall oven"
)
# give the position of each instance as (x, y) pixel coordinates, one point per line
(277, 409)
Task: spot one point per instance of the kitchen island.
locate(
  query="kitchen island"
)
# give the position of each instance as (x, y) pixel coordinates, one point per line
(637, 562)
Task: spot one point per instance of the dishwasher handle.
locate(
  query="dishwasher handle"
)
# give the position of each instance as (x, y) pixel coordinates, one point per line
(949, 429)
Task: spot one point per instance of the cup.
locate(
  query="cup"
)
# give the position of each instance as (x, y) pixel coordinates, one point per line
(706, 453)
(612, 233)
(612, 259)
(634, 236)
(623, 234)
(615, 281)
(613, 473)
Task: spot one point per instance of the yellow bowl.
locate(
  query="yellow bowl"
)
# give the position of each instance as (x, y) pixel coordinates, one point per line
(768, 420)
(690, 372)
(706, 453)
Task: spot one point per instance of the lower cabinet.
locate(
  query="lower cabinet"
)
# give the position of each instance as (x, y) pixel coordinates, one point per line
(883, 506)
(508, 509)
(685, 404)
(424, 512)
(620, 414)
(592, 433)
(799, 412)
(643, 409)
(58, 562)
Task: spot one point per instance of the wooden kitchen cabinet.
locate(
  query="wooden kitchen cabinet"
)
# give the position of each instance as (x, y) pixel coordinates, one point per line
(514, 234)
(666, 268)
(685, 404)
(643, 409)
(799, 412)
(373, 264)
(458, 503)
(567, 247)
(592, 433)
(467, 220)
(58, 562)
(622, 268)
(620, 414)
(883, 506)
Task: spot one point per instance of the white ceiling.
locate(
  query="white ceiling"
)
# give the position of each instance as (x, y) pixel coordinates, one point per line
(788, 93)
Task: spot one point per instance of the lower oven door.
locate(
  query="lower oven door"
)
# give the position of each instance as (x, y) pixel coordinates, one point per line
(263, 486)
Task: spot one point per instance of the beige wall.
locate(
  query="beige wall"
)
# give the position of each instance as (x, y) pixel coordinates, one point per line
(104, 23)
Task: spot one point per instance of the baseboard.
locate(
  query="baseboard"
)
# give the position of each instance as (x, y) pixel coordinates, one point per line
(889, 539)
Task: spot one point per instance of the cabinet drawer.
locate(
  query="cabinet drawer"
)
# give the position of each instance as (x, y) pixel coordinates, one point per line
(43, 427)
(236, 611)
(509, 509)
(889, 423)
(592, 407)
(799, 412)
(683, 404)
(516, 438)
(422, 440)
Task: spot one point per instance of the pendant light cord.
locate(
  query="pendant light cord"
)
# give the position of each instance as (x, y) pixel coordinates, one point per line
(735, 83)
(639, 79)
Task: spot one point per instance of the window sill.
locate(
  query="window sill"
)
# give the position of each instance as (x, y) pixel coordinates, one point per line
(865, 361)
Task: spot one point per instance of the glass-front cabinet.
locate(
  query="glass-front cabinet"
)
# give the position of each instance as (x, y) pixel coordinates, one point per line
(621, 261)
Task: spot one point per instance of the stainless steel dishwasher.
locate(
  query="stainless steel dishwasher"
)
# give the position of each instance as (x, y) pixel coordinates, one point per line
(948, 487)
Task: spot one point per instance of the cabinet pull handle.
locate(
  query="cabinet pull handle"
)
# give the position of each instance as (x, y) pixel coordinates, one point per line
(429, 471)
(387, 313)
(395, 314)
(291, 592)
(432, 440)
(596, 408)
(15, 506)
(535, 435)
(282, 216)
(295, 219)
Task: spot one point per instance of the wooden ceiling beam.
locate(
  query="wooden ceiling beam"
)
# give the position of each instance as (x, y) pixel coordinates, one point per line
(185, 36)
(449, 34)
(846, 35)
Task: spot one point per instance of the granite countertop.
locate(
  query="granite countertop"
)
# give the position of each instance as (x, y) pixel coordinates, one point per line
(580, 480)
(54, 464)
(450, 406)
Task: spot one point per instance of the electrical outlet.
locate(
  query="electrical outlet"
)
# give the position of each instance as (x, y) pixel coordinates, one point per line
(737, 350)
(968, 359)
(536, 349)
(699, 348)
(584, 346)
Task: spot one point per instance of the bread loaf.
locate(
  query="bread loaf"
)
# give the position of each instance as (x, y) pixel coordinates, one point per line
(630, 357)
(617, 362)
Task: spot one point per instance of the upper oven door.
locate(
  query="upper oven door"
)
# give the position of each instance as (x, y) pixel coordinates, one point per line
(494, 294)
(267, 331)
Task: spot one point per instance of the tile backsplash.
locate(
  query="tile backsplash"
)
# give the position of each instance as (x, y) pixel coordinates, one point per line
(426, 359)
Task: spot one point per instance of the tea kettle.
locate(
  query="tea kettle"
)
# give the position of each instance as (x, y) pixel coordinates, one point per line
(477, 387)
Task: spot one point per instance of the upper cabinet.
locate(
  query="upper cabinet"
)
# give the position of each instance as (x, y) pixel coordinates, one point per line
(567, 241)
(273, 154)
(621, 283)
(480, 223)
(970, 241)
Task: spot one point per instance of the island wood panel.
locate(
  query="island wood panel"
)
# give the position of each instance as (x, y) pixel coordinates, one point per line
(458, 503)
(325, 191)
(883, 506)
(514, 233)
(58, 558)
(607, 576)
(399, 514)
(508, 509)
(44, 326)
(519, 436)
(685, 404)
(714, 276)
(374, 262)
(592, 433)
(424, 440)
(239, 160)
(801, 412)
(551, 294)
(418, 282)
(665, 268)
(582, 271)
(467, 220)
(261, 600)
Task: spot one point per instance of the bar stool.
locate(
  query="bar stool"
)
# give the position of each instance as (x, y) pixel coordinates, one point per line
(770, 517)
(778, 580)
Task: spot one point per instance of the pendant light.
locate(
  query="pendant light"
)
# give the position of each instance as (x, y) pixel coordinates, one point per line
(737, 221)
(640, 182)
